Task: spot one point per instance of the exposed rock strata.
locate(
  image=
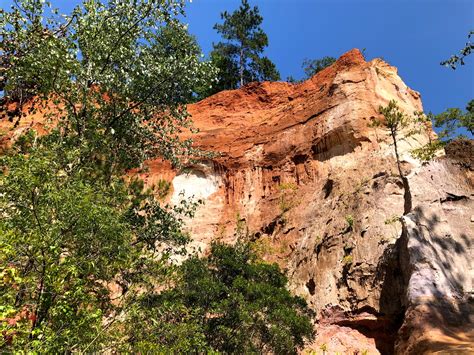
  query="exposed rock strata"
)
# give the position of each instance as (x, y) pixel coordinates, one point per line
(318, 190)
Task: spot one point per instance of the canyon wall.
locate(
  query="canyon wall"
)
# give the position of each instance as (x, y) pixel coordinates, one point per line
(304, 174)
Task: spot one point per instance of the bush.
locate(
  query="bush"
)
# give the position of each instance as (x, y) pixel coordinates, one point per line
(228, 302)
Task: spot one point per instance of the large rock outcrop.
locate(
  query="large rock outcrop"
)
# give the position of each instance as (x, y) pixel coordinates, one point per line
(303, 172)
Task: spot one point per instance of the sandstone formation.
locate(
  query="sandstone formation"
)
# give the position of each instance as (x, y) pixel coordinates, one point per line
(303, 173)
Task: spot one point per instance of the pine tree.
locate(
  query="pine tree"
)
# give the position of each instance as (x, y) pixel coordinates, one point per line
(239, 58)
(313, 66)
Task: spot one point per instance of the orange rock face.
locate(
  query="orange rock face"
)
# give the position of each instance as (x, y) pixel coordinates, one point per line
(303, 173)
(272, 134)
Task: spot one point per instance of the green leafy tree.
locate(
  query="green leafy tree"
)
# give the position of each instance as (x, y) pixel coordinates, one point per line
(239, 59)
(227, 302)
(78, 241)
(228, 71)
(109, 84)
(453, 119)
(67, 237)
(313, 66)
(449, 122)
(291, 79)
(459, 58)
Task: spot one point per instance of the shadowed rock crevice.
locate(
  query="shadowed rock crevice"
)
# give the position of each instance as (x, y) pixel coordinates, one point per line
(327, 188)
(311, 286)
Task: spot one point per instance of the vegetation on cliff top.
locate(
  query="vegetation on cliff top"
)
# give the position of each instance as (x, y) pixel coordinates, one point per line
(239, 58)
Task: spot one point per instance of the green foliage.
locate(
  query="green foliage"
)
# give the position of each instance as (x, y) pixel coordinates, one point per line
(291, 79)
(459, 58)
(241, 229)
(228, 71)
(285, 204)
(392, 220)
(313, 66)
(227, 302)
(106, 87)
(347, 260)
(264, 246)
(449, 121)
(360, 185)
(239, 58)
(454, 118)
(66, 238)
(395, 120)
(79, 243)
(350, 221)
(162, 189)
(262, 68)
(428, 151)
(286, 200)
(66, 234)
(287, 186)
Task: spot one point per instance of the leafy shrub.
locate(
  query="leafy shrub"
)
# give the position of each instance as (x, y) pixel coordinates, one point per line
(286, 201)
(228, 302)
(350, 221)
(346, 260)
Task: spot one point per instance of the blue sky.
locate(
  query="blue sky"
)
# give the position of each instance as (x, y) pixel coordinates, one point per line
(413, 35)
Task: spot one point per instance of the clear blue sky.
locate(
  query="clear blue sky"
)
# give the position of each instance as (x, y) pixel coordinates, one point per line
(413, 35)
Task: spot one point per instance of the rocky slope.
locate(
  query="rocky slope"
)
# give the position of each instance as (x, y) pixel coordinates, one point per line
(304, 174)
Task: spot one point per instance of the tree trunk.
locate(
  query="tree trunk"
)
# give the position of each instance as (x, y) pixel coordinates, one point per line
(406, 186)
(241, 69)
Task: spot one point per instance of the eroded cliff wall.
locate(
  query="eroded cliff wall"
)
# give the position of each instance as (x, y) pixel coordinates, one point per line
(315, 186)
